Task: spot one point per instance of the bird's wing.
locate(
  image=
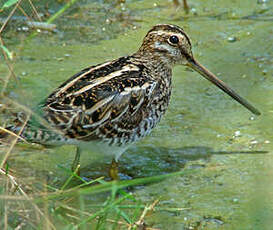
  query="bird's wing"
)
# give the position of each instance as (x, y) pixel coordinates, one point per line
(106, 93)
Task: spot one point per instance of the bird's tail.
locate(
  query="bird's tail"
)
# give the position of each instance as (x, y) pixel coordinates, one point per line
(28, 129)
(14, 130)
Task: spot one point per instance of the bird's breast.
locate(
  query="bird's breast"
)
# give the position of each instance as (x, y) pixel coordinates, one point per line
(133, 128)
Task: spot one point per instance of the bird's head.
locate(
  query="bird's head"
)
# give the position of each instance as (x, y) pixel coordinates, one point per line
(169, 45)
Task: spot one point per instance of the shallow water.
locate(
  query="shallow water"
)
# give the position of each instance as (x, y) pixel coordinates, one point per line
(203, 128)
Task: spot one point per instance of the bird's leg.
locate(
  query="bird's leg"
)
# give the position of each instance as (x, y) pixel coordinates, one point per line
(113, 171)
(76, 163)
(176, 3)
(186, 6)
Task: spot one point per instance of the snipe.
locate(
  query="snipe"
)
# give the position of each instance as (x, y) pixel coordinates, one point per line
(108, 106)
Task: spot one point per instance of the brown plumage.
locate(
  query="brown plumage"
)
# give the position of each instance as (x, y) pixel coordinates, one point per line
(121, 101)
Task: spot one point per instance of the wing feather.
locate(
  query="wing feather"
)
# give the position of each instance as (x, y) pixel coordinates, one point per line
(79, 108)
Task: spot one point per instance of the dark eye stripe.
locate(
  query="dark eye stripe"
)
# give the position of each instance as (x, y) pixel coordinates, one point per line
(186, 36)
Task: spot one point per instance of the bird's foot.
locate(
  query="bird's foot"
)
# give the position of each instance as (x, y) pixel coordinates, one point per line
(113, 171)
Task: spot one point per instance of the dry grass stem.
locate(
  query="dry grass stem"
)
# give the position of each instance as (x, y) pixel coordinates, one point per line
(90, 214)
(140, 224)
(20, 226)
(13, 143)
(24, 197)
(41, 120)
(34, 10)
(13, 134)
(24, 13)
(10, 15)
(16, 197)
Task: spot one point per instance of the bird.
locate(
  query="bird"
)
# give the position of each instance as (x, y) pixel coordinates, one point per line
(109, 106)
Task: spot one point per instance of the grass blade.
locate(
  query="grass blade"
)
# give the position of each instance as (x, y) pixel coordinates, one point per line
(5, 49)
(8, 3)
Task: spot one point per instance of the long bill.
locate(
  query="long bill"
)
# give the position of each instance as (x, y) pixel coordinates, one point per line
(223, 86)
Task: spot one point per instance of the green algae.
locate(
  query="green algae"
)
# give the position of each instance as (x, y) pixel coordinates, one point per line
(202, 129)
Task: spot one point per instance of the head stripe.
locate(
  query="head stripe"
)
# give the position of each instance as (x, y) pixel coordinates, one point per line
(163, 28)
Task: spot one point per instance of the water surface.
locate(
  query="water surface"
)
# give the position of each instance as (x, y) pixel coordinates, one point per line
(203, 128)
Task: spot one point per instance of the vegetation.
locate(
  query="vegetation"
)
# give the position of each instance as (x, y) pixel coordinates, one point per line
(227, 179)
(41, 204)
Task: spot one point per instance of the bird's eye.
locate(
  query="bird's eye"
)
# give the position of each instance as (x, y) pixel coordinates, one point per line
(174, 39)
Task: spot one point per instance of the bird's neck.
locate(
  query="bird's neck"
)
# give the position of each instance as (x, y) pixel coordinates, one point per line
(153, 61)
(158, 69)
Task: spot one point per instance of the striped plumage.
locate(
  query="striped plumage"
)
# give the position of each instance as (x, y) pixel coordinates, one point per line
(119, 102)
(116, 102)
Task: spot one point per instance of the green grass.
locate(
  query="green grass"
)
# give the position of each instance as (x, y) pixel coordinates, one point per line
(235, 189)
(29, 203)
(41, 205)
(65, 206)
